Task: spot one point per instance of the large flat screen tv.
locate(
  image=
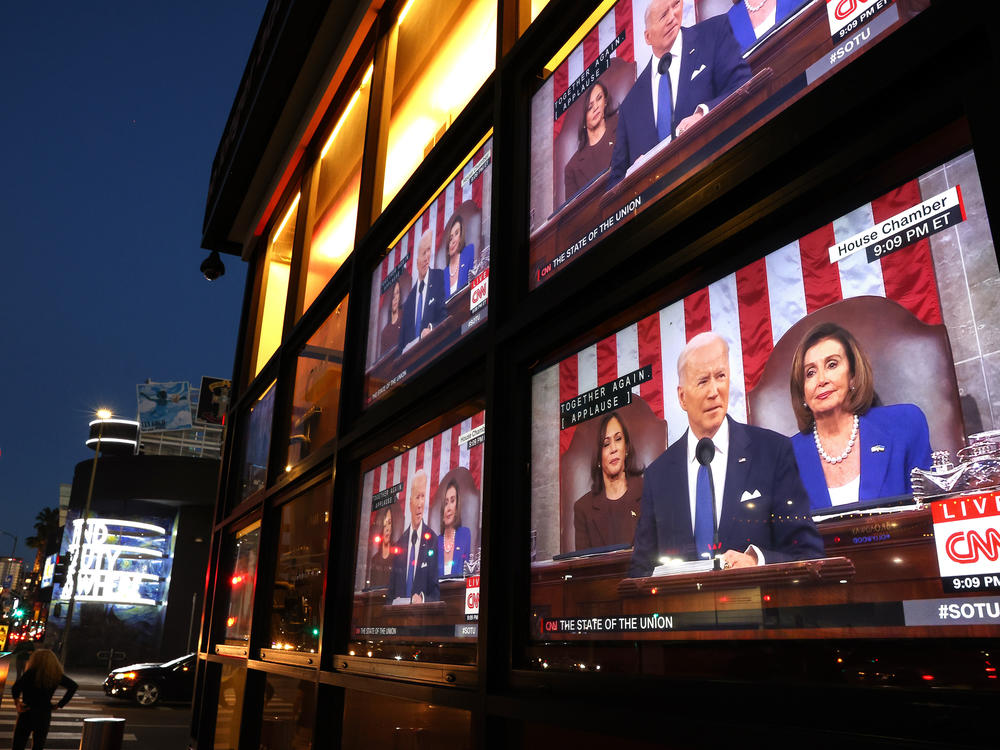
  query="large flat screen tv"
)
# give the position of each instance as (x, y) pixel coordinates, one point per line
(417, 573)
(432, 286)
(611, 134)
(847, 384)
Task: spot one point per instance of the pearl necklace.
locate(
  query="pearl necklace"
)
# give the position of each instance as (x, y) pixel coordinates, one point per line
(850, 444)
(754, 8)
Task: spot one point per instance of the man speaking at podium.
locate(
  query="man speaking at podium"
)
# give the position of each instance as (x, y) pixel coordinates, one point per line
(691, 70)
(760, 505)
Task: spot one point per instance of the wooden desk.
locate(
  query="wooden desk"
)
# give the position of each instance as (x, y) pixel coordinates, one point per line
(874, 564)
(389, 366)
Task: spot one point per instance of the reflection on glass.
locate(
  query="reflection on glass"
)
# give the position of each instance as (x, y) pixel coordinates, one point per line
(257, 444)
(336, 210)
(275, 287)
(244, 556)
(297, 608)
(446, 50)
(289, 714)
(378, 721)
(230, 708)
(317, 387)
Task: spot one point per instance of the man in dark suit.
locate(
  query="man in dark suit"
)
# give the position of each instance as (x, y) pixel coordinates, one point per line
(761, 506)
(690, 72)
(424, 306)
(414, 569)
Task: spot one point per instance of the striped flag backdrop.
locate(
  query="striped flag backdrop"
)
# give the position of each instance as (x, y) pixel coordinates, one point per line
(437, 214)
(754, 307)
(435, 457)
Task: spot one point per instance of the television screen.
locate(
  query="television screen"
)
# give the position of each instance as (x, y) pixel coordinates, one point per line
(417, 571)
(612, 133)
(432, 286)
(808, 447)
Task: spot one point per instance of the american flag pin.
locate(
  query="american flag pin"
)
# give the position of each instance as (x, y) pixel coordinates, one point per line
(741, 460)
(878, 449)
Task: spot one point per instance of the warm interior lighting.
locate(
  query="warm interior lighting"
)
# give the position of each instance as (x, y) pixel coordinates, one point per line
(464, 57)
(343, 117)
(574, 40)
(273, 314)
(288, 215)
(403, 12)
(368, 75)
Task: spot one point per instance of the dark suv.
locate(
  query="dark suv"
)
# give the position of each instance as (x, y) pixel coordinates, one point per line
(148, 684)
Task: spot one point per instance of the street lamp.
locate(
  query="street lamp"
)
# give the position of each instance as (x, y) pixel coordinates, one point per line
(102, 416)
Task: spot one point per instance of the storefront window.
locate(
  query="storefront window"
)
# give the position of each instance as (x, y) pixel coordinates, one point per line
(274, 287)
(317, 387)
(244, 557)
(297, 608)
(257, 444)
(336, 210)
(289, 714)
(230, 708)
(446, 50)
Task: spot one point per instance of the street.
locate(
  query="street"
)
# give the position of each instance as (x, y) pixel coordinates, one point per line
(162, 727)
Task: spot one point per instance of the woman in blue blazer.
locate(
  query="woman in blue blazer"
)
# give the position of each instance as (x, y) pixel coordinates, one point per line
(753, 19)
(455, 540)
(459, 267)
(847, 449)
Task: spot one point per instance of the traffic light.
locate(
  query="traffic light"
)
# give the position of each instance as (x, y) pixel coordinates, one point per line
(59, 571)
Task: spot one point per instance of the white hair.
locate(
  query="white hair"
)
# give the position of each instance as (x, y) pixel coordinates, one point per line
(697, 342)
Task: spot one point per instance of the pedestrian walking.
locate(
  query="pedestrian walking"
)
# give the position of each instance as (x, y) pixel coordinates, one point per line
(33, 693)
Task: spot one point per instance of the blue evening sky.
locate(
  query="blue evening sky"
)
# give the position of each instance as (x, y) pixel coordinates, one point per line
(110, 116)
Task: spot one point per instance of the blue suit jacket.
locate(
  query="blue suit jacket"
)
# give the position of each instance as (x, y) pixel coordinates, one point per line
(463, 546)
(901, 430)
(434, 310)
(465, 260)
(425, 575)
(710, 44)
(777, 522)
(739, 19)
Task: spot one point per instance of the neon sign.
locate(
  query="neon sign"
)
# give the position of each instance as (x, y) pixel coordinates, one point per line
(119, 564)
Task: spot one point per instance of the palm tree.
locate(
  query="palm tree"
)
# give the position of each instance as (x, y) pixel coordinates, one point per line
(46, 532)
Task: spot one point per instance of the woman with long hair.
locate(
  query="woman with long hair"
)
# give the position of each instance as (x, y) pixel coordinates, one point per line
(608, 513)
(595, 140)
(33, 693)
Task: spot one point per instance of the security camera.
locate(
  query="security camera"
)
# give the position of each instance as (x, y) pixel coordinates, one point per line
(212, 267)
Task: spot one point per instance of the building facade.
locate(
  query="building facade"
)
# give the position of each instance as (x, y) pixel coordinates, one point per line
(480, 236)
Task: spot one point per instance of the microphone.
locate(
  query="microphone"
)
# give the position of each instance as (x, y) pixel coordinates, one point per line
(705, 452)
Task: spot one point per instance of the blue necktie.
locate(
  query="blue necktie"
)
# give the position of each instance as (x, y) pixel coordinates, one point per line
(420, 307)
(411, 563)
(664, 107)
(704, 522)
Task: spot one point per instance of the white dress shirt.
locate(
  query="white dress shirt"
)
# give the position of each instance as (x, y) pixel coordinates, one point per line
(718, 468)
(674, 71)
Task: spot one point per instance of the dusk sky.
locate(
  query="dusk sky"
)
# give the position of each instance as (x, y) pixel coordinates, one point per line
(111, 116)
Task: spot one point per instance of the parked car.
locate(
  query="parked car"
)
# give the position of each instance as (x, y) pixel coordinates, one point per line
(148, 684)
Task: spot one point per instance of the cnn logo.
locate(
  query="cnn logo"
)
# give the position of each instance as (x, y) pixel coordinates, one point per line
(968, 546)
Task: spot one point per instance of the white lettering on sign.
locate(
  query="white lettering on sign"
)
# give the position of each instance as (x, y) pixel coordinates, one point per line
(108, 570)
